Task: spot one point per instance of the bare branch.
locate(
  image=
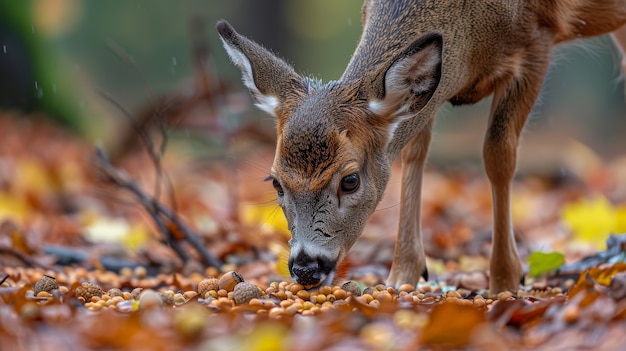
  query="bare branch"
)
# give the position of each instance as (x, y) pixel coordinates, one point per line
(157, 210)
(4, 250)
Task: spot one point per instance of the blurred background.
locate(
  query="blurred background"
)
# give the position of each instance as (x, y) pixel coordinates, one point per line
(82, 62)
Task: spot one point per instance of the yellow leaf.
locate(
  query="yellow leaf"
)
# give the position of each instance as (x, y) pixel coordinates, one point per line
(33, 177)
(266, 337)
(270, 219)
(591, 220)
(620, 225)
(100, 229)
(136, 237)
(13, 208)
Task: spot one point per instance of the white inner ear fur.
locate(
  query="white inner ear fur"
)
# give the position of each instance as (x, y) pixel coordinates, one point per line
(411, 75)
(267, 103)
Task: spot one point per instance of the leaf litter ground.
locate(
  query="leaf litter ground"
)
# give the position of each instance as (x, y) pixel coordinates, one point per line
(83, 266)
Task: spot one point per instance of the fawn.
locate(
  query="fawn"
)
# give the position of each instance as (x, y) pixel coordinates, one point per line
(336, 141)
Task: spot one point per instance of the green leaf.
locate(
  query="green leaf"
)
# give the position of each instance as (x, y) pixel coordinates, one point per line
(542, 262)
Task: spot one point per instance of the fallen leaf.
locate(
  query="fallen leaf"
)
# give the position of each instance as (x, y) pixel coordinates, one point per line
(591, 220)
(12, 207)
(604, 275)
(266, 337)
(597, 275)
(618, 286)
(269, 218)
(541, 263)
(451, 324)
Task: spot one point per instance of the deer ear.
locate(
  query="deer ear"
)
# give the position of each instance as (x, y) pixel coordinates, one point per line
(273, 84)
(409, 81)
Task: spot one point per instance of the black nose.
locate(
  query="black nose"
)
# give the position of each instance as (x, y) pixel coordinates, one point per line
(309, 271)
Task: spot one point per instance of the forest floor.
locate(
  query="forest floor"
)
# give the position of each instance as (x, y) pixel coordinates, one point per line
(190, 253)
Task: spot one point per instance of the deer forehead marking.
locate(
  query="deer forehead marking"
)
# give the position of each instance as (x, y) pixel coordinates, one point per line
(309, 154)
(322, 137)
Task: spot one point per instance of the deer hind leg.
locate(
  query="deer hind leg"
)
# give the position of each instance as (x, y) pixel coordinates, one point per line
(619, 37)
(510, 108)
(409, 261)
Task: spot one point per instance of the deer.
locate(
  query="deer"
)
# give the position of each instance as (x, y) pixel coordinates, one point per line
(336, 141)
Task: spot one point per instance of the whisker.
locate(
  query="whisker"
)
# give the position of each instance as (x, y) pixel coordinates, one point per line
(388, 207)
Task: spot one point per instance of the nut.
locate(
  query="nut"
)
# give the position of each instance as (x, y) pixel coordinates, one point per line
(406, 287)
(207, 284)
(166, 297)
(87, 290)
(352, 287)
(229, 280)
(340, 294)
(244, 292)
(115, 292)
(140, 272)
(135, 293)
(45, 283)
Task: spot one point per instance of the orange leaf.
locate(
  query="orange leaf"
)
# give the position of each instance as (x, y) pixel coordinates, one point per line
(603, 276)
(451, 324)
(596, 275)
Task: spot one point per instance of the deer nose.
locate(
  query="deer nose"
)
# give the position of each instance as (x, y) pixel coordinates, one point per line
(309, 271)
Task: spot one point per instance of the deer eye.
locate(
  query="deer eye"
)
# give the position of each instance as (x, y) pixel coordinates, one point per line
(278, 187)
(350, 183)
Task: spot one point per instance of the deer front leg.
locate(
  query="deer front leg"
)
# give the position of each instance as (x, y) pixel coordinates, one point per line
(409, 261)
(510, 108)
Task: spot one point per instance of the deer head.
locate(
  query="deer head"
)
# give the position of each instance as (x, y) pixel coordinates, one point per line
(333, 153)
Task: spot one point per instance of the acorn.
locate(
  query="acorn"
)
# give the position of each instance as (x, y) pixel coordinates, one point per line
(115, 292)
(135, 293)
(207, 284)
(352, 287)
(87, 290)
(369, 290)
(179, 299)
(229, 280)
(46, 283)
(166, 297)
(244, 292)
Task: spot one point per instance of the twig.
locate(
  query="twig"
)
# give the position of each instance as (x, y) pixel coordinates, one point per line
(126, 181)
(156, 210)
(24, 258)
(142, 132)
(142, 127)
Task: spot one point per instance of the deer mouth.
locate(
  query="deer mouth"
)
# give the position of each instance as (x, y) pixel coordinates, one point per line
(327, 279)
(311, 272)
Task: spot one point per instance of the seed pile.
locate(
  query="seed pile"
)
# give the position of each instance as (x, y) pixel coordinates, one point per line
(288, 298)
(230, 291)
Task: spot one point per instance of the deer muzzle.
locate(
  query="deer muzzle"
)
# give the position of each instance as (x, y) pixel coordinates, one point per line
(311, 271)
